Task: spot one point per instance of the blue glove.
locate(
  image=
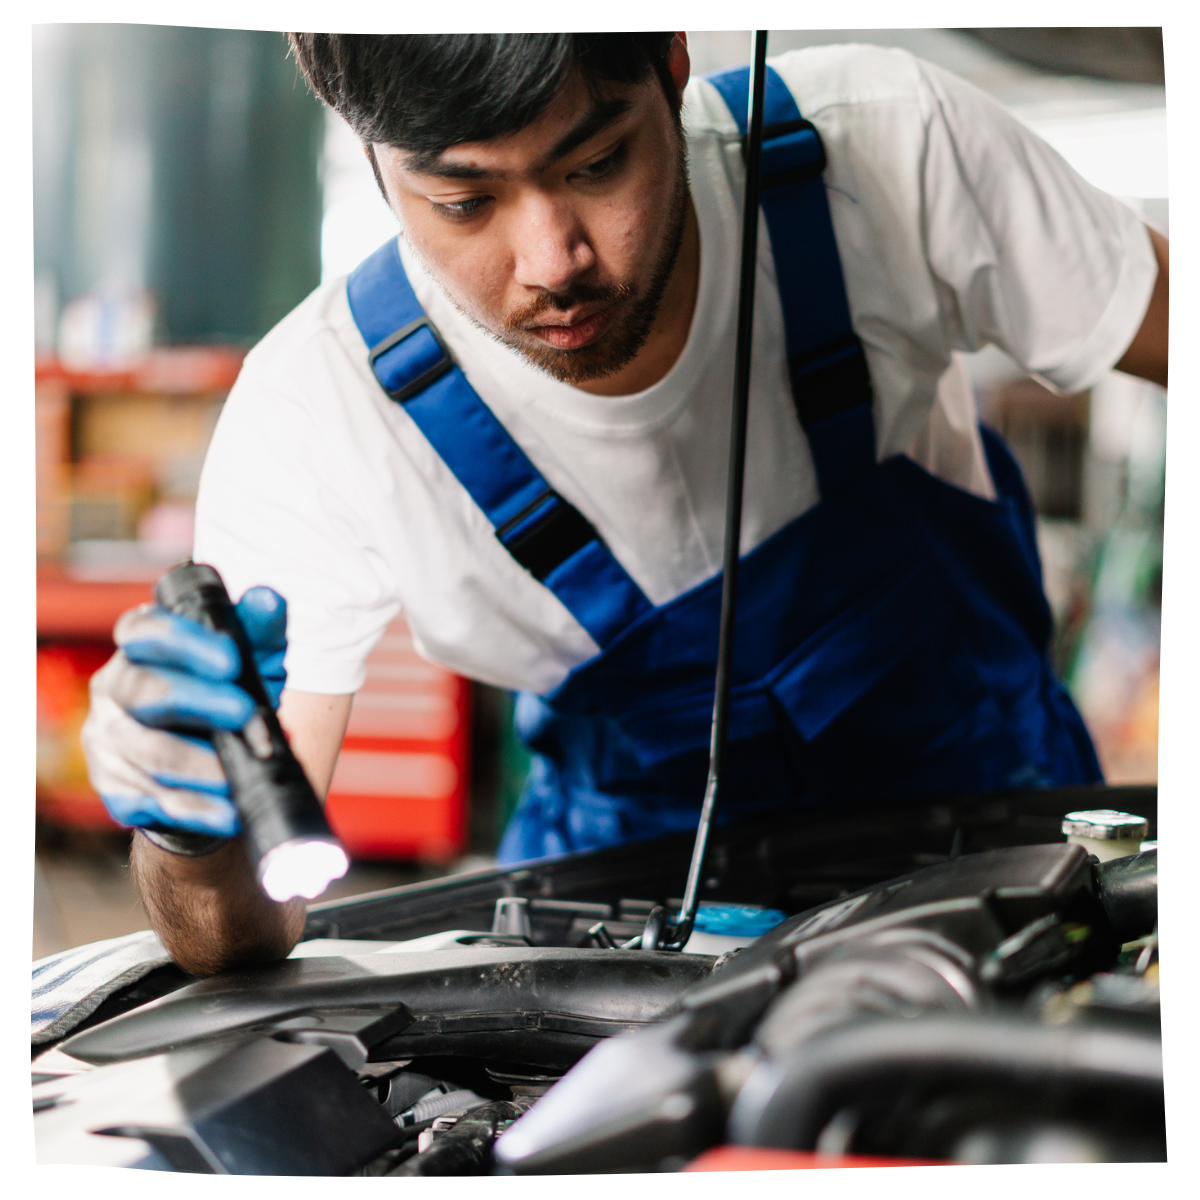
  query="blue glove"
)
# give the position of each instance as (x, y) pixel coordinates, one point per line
(170, 673)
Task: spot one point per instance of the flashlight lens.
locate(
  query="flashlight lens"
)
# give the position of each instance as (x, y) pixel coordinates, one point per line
(302, 868)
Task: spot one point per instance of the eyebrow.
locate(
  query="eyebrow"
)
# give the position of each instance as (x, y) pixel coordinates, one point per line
(597, 118)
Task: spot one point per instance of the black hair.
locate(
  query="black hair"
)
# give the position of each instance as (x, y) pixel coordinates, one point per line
(426, 92)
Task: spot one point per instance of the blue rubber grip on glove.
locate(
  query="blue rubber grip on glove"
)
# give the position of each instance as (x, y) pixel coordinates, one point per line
(199, 665)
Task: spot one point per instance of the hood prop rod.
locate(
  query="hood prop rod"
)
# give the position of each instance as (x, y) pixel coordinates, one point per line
(660, 932)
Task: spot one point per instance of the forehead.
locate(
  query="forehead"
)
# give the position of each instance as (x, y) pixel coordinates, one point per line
(577, 114)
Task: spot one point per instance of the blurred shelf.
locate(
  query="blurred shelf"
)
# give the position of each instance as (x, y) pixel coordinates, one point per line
(170, 370)
(74, 608)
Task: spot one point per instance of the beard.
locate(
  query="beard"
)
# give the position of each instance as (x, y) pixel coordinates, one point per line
(634, 309)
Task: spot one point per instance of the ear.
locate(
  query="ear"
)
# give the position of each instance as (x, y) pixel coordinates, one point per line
(678, 63)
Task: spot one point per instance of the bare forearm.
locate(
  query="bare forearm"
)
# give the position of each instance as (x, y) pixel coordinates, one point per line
(209, 911)
(315, 724)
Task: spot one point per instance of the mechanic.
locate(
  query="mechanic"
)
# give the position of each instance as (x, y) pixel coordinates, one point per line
(540, 484)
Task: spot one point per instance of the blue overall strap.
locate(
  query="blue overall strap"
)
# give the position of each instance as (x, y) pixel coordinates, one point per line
(544, 533)
(830, 383)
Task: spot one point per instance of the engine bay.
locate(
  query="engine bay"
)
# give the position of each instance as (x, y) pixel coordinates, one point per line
(947, 981)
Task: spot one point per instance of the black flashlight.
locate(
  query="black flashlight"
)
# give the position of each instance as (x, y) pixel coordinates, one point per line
(294, 851)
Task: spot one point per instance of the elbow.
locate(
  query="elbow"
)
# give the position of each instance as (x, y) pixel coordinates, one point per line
(237, 945)
(1146, 356)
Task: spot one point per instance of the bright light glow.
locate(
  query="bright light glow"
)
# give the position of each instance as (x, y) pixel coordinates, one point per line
(301, 867)
(1124, 153)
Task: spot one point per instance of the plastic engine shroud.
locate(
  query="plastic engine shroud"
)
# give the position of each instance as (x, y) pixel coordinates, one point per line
(641, 1036)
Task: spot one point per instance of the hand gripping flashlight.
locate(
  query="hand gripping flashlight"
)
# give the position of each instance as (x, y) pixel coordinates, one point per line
(294, 851)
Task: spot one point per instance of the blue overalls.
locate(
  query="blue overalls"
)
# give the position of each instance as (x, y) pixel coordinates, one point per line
(890, 641)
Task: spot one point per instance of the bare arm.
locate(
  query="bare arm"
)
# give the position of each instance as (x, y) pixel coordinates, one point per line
(209, 911)
(1147, 353)
(315, 726)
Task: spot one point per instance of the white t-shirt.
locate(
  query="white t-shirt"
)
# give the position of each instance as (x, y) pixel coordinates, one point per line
(956, 227)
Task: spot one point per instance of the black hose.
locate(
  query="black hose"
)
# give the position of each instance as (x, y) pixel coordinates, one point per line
(786, 1103)
(868, 979)
(466, 1147)
(1128, 890)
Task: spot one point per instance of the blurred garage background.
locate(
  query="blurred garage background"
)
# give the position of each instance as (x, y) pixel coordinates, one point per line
(188, 192)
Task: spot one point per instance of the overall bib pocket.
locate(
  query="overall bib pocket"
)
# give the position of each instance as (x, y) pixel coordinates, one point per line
(887, 691)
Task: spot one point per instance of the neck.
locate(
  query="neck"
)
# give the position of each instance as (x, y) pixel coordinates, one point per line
(669, 333)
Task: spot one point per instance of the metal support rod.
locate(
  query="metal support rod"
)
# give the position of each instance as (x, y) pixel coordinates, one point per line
(675, 934)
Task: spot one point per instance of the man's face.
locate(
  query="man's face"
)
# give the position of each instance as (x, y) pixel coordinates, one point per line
(560, 239)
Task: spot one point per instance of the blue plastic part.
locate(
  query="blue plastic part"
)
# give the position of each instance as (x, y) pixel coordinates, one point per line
(737, 920)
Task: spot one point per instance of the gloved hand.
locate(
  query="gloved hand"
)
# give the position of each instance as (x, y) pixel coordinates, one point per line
(171, 671)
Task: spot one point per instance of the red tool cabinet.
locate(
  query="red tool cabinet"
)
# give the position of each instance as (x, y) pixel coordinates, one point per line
(400, 786)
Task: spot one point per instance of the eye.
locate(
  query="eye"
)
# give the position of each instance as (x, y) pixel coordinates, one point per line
(458, 210)
(603, 167)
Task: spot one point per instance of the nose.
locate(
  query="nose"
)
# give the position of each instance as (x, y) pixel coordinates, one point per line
(551, 247)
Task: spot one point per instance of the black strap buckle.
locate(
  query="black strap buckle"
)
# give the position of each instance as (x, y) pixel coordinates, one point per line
(821, 390)
(549, 540)
(431, 375)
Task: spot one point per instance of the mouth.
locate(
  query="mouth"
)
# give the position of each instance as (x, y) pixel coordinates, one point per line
(575, 333)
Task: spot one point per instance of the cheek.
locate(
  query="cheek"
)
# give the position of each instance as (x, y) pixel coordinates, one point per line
(477, 281)
(472, 270)
(637, 228)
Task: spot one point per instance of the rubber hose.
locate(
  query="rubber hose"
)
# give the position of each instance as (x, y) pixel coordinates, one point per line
(872, 979)
(787, 1102)
(1128, 890)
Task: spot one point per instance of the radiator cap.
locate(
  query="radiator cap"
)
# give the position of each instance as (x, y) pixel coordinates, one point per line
(1105, 832)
